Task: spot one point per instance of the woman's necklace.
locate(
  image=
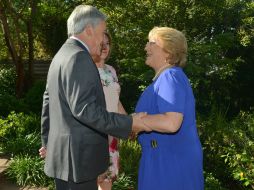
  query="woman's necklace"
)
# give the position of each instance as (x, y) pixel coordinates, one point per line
(160, 71)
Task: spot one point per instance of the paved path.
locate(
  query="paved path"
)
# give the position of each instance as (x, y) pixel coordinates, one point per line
(5, 184)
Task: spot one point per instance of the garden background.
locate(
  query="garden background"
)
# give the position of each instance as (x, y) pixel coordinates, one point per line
(220, 67)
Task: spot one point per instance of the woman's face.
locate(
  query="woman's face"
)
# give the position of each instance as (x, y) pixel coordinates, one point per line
(155, 55)
(105, 48)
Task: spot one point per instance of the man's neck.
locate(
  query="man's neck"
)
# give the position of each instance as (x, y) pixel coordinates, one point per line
(78, 38)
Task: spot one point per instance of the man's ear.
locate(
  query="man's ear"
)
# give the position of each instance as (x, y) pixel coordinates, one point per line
(89, 30)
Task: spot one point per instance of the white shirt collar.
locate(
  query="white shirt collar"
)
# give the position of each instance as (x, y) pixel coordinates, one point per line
(83, 43)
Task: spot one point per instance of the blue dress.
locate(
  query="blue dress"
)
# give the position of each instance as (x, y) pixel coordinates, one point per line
(170, 161)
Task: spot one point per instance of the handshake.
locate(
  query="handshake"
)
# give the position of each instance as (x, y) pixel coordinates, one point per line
(138, 124)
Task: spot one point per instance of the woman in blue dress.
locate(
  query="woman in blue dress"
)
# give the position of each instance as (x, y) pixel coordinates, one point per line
(172, 157)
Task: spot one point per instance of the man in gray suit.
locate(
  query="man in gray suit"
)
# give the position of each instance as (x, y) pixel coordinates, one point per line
(74, 121)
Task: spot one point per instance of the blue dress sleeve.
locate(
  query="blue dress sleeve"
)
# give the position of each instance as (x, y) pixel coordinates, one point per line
(171, 92)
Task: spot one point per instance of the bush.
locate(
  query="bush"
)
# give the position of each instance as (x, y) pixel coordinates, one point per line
(228, 148)
(238, 155)
(18, 125)
(32, 101)
(8, 100)
(130, 152)
(33, 98)
(123, 182)
(19, 131)
(29, 145)
(27, 170)
(7, 80)
(211, 183)
(10, 103)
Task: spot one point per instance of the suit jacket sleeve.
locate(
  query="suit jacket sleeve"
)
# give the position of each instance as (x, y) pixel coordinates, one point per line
(45, 118)
(80, 82)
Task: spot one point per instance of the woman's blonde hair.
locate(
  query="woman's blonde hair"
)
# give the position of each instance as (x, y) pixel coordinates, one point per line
(173, 42)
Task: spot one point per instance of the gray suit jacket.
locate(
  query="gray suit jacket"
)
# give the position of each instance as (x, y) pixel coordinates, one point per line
(74, 120)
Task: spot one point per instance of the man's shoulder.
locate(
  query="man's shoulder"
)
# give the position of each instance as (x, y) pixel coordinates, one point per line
(70, 50)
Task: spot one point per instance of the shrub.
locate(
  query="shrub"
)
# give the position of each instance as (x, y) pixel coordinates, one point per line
(123, 182)
(10, 103)
(211, 183)
(29, 145)
(33, 98)
(238, 155)
(7, 80)
(228, 148)
(18, 131)
(32, 101)
(27, 170)
(19, 124)
(130, 152)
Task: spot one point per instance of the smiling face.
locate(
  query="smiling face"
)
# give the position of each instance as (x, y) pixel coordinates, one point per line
(105, 48)
(155, 55)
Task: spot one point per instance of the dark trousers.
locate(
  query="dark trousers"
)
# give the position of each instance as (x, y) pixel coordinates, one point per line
(70, 185)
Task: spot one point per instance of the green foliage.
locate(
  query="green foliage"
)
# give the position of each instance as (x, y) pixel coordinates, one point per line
(27, 170)
(53, 22)
(123, 182)
(129, 159)
(135, 82)
(211, 183)
(19, 124)
(19, 133)
(29, 144)
(228, 148)
(33, 98)
(239, 155)
(130, 152)
(210, 70)
(4, 49)
(8, 100)
(7, 80)
(9, 103)
(246, 32)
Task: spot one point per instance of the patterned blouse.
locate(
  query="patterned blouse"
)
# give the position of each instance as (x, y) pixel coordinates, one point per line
(111, 90)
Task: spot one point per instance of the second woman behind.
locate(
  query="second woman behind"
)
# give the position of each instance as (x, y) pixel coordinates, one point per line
(111, 90)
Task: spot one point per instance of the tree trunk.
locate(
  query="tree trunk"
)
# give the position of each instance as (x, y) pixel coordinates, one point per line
(7, 36)
(20, 78)
(33, 5)
(10, 44)
(30, 53)
(16, 49)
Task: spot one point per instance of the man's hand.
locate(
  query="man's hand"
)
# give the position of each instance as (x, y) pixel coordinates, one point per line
(138, 125)
(43, 152)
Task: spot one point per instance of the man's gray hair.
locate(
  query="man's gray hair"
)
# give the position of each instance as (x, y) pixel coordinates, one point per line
(82, 16)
